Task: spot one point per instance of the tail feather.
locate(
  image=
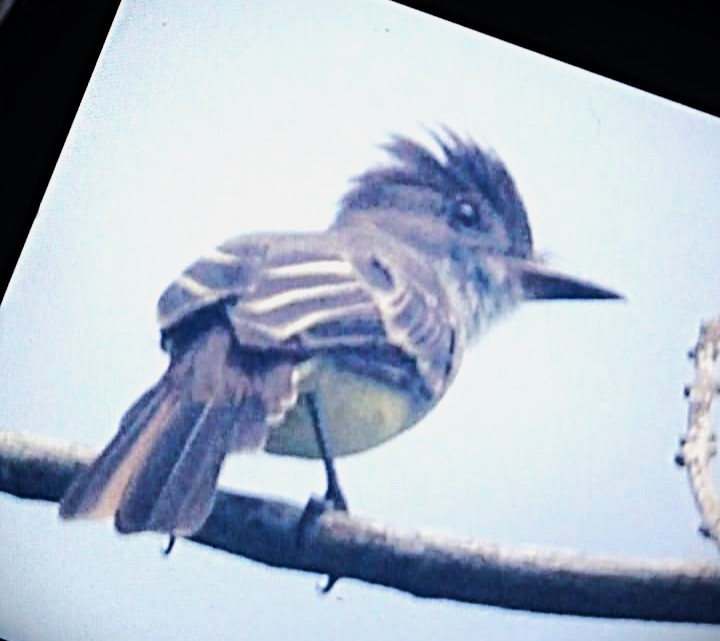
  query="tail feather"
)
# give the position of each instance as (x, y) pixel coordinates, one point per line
(176, 493)
(159, 472)
(97, 490)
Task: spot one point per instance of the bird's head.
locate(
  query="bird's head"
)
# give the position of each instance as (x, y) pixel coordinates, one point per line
(462, 202)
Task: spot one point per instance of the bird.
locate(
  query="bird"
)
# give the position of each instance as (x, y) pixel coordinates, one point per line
(328, 343)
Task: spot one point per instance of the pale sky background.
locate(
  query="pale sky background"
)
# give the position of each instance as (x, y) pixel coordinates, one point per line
(207, 120)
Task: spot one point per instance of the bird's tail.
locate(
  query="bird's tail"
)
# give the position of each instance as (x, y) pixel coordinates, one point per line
(159, 472)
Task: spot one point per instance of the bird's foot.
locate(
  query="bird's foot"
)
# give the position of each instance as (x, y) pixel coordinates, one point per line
(314, 509)
(335, 497)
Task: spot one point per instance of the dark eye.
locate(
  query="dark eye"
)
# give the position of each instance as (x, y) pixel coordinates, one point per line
(466, 214)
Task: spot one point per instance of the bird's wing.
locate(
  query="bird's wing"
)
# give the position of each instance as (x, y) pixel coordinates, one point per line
(311, 292)
(374, 308)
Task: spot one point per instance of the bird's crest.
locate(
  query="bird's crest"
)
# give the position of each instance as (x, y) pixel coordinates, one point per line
(462, 167)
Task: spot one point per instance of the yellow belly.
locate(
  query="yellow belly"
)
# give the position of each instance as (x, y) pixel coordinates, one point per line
(357, 412)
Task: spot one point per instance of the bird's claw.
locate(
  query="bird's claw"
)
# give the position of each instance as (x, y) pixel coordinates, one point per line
(314, 509)
(170, 545)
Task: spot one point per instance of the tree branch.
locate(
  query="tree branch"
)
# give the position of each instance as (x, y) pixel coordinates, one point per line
(698, 444)
(422, 564)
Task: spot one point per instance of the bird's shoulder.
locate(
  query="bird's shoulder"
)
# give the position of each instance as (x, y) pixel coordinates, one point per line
(228, 271)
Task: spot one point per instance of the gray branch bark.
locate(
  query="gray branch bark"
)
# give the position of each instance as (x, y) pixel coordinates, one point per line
(421, 564)
(698, 444)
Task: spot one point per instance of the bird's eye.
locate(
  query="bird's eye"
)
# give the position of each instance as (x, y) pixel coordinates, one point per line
(467, 214)
(465, 211)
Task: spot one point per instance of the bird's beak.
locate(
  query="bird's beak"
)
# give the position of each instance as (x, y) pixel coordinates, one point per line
(540, 282)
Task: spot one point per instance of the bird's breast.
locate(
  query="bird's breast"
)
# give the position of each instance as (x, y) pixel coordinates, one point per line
(357, 410)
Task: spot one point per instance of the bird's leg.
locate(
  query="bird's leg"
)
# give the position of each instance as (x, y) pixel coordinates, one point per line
(334, 496)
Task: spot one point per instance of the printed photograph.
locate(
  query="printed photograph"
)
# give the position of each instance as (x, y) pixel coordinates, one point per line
(338, 320)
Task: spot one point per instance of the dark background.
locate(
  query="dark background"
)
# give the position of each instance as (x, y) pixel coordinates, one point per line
(48, 49)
